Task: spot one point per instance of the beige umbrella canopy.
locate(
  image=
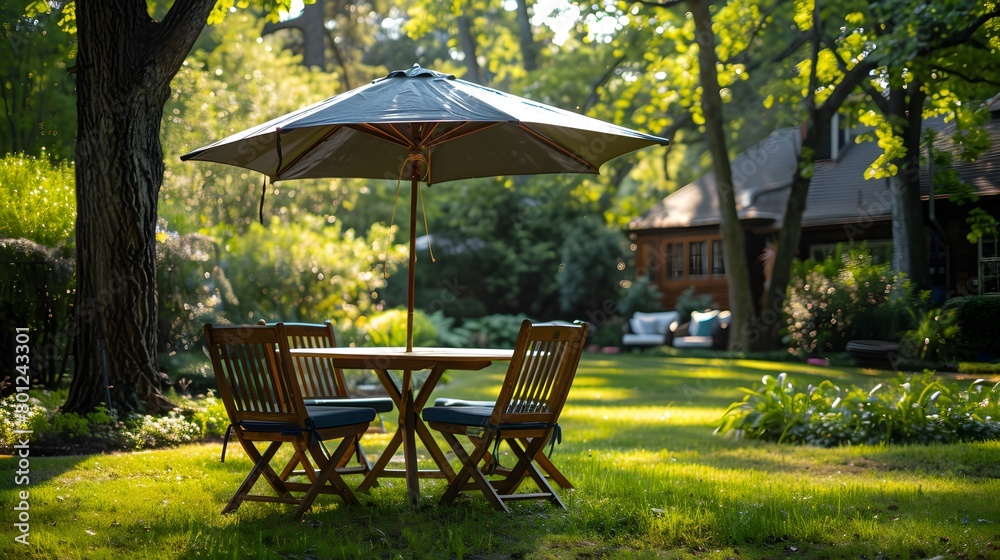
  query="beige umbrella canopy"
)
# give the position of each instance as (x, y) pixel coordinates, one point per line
(425, 126)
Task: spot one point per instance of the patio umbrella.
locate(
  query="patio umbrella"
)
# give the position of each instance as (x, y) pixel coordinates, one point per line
(424, 126)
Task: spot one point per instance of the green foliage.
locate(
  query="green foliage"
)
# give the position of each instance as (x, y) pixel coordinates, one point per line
(145, 432)
(593, 267)
(208, 414)
(641, 295)
(494, 331)
(99, 430)
(192, 289)
(935, 337)
(36, 292)
(39, 199)
(17, 415)
(977, 317)
(233, 80)
(448, 333)
(38, 98)
(918, 409)
(982, 225)
(388, 328)
(308, 270)
(688, 302)
(844, 299)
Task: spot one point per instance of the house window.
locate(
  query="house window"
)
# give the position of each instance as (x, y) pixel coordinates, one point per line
(697, 258)
(989, 266)
(880, 250)
(718, 262)
(675, 261)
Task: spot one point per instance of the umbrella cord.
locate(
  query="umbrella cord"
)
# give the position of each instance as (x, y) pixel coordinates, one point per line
(416, 158)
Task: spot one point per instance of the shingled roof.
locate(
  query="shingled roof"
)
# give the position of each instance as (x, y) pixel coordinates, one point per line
(838, 191)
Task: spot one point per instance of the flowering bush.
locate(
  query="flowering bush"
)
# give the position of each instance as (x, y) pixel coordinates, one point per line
(833, 302)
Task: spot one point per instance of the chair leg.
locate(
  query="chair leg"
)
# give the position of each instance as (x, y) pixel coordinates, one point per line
(526, 467)
(470, 469)
(543, 461)
(261, 467)
(328, 474)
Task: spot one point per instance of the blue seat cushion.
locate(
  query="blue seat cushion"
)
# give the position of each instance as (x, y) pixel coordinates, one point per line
(321, 417)
(462, 415)
(445, 401)
(333, 416)
(380, 404)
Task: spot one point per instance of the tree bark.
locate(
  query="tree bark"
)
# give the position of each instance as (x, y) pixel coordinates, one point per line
(467, 40)
(125, 63)
(737, 269)
(529, 51)
(311, 23)
(909, 242)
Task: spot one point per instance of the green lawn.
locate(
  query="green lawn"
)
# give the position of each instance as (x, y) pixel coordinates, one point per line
(652, 482)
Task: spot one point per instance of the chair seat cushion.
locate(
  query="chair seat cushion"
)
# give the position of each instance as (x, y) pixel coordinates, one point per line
(321, 417)
(380, 404)
(462, 415)
(333, 416)
(445, 401)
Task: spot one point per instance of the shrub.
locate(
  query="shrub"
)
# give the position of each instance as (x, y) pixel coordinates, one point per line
(935, 336)
(494, 331)
(14, 416)
(191, 289)
(641, 295)
(917, 409)
(689, 302)
(39, 199)
(447, 333)
(388, 328)
(143, 432)
(37, 288)
(308, 270)
(977, 317)
(835, 301)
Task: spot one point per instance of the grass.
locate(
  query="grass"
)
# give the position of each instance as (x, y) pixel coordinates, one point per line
(652, 482)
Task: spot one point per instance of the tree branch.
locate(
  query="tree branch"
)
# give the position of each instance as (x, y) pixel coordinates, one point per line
(175, 35)
(961, 36)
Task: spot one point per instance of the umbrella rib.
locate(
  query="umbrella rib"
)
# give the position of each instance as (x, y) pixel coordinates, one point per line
(558, 147)
(303, 155)
(464, 129)
(397, 138)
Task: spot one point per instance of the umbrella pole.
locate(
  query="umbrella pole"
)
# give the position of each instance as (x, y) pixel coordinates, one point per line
(411, 271)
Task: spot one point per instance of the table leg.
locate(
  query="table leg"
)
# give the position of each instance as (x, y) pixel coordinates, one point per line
(407, 419)
(421, 429)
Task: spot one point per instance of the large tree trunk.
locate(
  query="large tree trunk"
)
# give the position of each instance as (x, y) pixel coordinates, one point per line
(909, 242)
(125, 64)
(737, 270)
(467, 41)
(311, 22)
(529, 51)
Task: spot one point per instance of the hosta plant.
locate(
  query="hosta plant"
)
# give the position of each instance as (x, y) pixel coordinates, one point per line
(921, 408)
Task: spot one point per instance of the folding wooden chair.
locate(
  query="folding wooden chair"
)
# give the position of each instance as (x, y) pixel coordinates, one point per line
(525, 417)
(542, 459)
(264, 402)
(323, 384)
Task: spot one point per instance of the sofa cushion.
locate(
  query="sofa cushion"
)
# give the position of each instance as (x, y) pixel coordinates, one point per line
(703, 323)
(652, 323)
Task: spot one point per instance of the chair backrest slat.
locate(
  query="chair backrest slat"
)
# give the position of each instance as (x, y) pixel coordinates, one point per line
(250, 364)
(317, 377)
(540, 373)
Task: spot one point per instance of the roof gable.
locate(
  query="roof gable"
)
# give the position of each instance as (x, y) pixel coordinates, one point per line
(838, 191)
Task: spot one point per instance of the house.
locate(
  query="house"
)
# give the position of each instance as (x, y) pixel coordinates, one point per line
(678, 242)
